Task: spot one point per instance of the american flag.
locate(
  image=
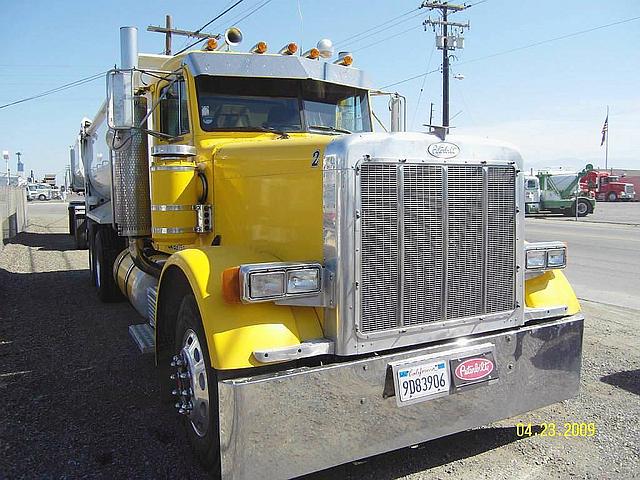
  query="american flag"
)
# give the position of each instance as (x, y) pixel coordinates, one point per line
(605, 129)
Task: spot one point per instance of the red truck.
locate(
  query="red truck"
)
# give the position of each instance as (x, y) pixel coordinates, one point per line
(607, 187)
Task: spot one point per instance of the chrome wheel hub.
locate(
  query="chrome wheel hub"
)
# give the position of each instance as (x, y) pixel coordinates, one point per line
(192, 389)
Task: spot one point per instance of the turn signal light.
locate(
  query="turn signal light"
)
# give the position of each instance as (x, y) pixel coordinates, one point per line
(289, 49)
(211, 44)
(313, 54)
(231, 285)
(260, 47)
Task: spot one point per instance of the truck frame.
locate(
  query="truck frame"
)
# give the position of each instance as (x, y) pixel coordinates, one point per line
(314, 292)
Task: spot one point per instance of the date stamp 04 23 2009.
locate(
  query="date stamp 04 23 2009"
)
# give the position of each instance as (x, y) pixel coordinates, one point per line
(552, 429)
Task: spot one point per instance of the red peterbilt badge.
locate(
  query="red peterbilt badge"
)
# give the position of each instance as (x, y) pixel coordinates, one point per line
(474, 369)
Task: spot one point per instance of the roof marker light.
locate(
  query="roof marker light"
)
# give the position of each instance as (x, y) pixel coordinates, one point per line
(211, 44)
(344, 58)
(289, 49)
(260, 47)
(312, 53)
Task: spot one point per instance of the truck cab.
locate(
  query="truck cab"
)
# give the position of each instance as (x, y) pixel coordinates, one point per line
(608, 187)
(294, 268)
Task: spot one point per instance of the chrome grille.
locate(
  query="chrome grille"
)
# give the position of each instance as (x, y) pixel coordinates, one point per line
(379, 197)
(437, 243)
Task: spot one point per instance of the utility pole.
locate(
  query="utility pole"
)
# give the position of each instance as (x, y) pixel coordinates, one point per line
(5, 155)
(446, 42)
(168, 31)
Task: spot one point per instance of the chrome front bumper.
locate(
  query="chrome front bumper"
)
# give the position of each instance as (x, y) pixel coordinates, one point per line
(290, 423)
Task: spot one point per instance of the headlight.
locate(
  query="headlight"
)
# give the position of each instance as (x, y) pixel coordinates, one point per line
(263, 282)
(536, 259)
(266, 285)
(556, 258)
(546, 255)
(303, 281)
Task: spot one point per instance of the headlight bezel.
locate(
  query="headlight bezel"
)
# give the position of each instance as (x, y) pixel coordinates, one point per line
(543, 251)
(283, 269)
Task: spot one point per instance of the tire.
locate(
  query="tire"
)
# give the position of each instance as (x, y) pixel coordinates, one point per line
(91, 244)
(201, 430)
(612, 197)
(80, 233)
(103, 257)
(583, 208)
(71, 211)
(42, 197)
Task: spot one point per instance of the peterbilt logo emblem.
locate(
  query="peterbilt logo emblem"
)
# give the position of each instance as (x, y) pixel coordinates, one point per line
(474, 369)
(443, 150)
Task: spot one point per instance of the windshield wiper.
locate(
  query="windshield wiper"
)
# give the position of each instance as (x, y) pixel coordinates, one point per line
(327, 128)
(281, 133)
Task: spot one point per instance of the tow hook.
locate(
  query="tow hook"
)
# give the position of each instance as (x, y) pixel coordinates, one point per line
(182, 381)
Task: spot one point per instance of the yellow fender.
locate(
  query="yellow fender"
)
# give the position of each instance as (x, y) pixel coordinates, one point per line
(235, 331)
(550, 289)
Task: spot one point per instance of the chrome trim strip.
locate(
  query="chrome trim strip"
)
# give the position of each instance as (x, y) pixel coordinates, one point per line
(172, 230)
(309, 348)
(172, 208)
(445, 240)
(173, 151)
(546, 312)
(485, 236)
(172, 168)
(401, 245)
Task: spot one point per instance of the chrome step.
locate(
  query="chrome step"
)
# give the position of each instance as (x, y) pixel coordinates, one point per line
(144, 337)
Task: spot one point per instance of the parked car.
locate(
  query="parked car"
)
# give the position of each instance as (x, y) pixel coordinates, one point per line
(38, 191)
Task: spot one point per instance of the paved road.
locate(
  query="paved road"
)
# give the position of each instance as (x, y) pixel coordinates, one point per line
(603, 259)
(627, 213)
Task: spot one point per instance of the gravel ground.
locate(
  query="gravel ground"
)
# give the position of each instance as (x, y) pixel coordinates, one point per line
(77, 400)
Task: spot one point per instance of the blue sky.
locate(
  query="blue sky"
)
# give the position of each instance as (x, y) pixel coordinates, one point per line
(549, 100)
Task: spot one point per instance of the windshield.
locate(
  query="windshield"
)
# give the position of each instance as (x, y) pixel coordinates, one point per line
(281, 105)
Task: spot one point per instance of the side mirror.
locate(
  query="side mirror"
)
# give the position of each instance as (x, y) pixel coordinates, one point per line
(120, 99)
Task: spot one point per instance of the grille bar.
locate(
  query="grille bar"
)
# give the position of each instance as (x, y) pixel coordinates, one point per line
(437, 243)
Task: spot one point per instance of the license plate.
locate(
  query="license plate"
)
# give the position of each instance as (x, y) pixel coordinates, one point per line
(421, 381)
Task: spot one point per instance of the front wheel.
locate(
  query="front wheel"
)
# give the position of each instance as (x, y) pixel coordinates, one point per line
(583, 208)
(196, 386)
(612, 197)
(42, 197)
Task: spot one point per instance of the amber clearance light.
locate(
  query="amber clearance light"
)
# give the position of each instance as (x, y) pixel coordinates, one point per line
(313, 54)
(260, 47)
(289, 49)
(211, 44)
(344, 58)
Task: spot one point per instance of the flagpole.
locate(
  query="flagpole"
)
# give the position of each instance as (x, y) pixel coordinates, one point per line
(606, 144)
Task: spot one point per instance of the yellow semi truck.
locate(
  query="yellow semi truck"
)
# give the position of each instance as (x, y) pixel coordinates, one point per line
(315, 292)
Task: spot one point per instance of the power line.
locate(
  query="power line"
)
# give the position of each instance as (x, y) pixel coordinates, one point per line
(376, 32)
(377, 43)
(504, 52)
(66, 86)
(225, 11)
(267, 2)
(219, 15)
(373, 28)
